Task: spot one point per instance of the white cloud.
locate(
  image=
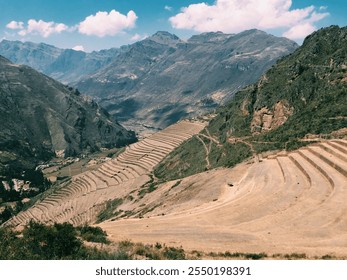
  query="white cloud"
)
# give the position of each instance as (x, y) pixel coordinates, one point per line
(107, 24)
(78, 48)
(232, 16)
(168, 8)
(304, 28)
(15, 25)
(40, 27)
(138, 37)
(299, 31)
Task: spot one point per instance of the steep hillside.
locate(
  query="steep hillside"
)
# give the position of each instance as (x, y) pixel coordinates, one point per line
(162, 79)
(41, 118)
(65, 65)
(302, 97)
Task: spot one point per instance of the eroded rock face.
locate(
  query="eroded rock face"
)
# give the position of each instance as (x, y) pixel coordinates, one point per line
(267, 119)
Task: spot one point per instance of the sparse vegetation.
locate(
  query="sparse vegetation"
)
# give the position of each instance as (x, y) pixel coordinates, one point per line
(255, 256)
(55, 242)
(110, 210)
(149, 187)
(93, 234)
(172, 253)
(176, 184)
(173, 168)
(63, 241)
(295, 256)
(115, 153)
(328, 257)
(238, 255)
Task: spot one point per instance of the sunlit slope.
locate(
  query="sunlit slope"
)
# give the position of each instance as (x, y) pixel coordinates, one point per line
(294, 202)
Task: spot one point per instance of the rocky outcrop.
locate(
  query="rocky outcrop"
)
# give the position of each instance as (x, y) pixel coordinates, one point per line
(267, 119)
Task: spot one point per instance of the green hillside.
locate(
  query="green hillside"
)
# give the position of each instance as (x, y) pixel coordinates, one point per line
(303, 96)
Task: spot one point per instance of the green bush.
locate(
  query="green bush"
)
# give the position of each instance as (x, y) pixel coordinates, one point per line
(93, 234)
(172, 253)
(253, 256)
(58, 241)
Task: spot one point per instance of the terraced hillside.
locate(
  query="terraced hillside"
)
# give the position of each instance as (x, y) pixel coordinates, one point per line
(80, 199)
(303, 96)
(285, 203)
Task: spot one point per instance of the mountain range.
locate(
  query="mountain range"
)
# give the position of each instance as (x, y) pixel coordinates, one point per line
(65, 65)
(161, 79)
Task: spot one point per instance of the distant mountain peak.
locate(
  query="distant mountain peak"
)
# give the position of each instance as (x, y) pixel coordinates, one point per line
(212, 33)
(209, 37)
(164, 37)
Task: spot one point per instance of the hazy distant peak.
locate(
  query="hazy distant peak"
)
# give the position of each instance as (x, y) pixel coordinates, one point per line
(209, 37)
(254, 31)
(164, 37)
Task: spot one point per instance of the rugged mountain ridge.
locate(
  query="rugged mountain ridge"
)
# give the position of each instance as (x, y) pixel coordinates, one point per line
(162, 79)
(302, 97)
(65, 65)
(41, 118)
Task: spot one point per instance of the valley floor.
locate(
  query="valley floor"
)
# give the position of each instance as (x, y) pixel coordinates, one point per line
(287, 203)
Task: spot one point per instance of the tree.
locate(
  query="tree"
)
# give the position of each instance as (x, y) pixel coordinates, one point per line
(58, 241)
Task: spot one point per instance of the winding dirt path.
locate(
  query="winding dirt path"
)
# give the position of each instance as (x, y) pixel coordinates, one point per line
(207, 151)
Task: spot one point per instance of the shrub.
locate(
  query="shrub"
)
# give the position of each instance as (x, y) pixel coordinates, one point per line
(255, 256)
(93, 234)
(172, 253)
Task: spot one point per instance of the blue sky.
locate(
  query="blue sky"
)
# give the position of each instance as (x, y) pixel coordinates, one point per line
(102, 24)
